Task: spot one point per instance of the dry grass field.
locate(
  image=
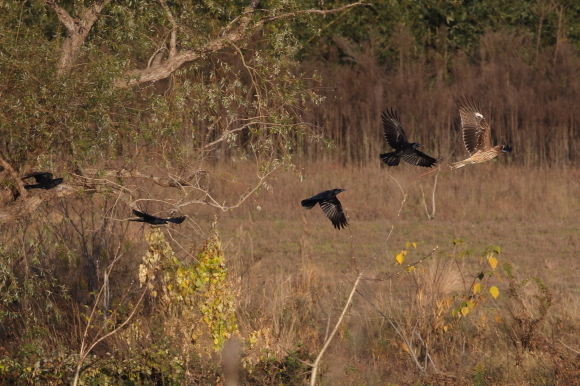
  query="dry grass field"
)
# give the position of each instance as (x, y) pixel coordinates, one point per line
(296, 271)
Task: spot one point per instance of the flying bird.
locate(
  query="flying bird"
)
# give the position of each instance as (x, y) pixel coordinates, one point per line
(476, 135)
(330, 206)
(153, 220)
(404, 149)
(44, 180)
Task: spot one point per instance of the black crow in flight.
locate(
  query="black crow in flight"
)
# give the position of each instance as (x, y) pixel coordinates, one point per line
(330, 206)
(149, 219)
(397, 139)
(44, 180)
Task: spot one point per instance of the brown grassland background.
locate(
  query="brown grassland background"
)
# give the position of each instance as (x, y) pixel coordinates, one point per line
(292, 272)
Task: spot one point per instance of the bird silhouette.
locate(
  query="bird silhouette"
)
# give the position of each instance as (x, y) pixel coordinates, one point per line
(476, 135)
(396, 138)
(330, 206)
(153, 220)
(44, 180)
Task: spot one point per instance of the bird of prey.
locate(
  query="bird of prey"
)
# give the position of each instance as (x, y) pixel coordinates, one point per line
(153, 220)
(404, 149)
(330, 206)
(476, 135)
(44, 180)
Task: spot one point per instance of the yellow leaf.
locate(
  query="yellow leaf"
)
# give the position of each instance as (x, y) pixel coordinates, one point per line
(411, 268)
(492, 262)
(400, 258)
(494, 291)
(497, 318)
(470, 304)
(476, 288)
(483, 318)
(464, 311)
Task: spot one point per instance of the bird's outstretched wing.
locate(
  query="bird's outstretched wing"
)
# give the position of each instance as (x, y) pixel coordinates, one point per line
(393, 130)
(333, 210)
(476, 132)
(146, 217)
(310, 202)
(150, 219)
(176, 220)
(418, 158)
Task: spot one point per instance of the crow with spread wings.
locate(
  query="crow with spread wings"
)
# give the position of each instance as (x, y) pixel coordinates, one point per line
(330, 206)
(43, 180)
(153, 220)
(405, 150)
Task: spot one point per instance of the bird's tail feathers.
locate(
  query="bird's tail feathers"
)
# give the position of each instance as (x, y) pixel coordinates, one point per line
(308, 203)
(390, 159)
(457, 165)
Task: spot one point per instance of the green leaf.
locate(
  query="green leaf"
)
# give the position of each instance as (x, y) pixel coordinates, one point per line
(458, 241)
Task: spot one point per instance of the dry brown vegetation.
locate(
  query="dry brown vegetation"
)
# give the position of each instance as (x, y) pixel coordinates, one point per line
(291, 272)
(297, 269)
(530, 98)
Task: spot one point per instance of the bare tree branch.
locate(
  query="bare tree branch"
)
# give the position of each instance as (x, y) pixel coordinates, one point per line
(231, 34)
(17, 181)
(172, 182)
(77, 30)
(307, 11)
(23, 207)
(173, 38)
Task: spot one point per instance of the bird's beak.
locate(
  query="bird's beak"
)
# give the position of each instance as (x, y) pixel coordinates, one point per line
(419, 145)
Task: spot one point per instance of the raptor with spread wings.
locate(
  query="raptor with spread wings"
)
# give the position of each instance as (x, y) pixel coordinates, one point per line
(476, 135)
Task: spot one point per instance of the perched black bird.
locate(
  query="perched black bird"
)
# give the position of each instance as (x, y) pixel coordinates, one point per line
(330, 206)
(44, 180)
(149, 219)
(404, 149)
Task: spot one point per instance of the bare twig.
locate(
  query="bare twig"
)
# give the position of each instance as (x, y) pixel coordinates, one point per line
(431, 215)
(86, 347)
(17, 181)
(174, 29)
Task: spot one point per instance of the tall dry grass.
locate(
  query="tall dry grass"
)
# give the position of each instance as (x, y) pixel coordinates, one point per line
(529, 96)
(297, 270)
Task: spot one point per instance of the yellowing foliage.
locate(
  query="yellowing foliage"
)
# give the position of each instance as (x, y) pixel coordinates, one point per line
(400, 258)
(192, 293)
(494, 291)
